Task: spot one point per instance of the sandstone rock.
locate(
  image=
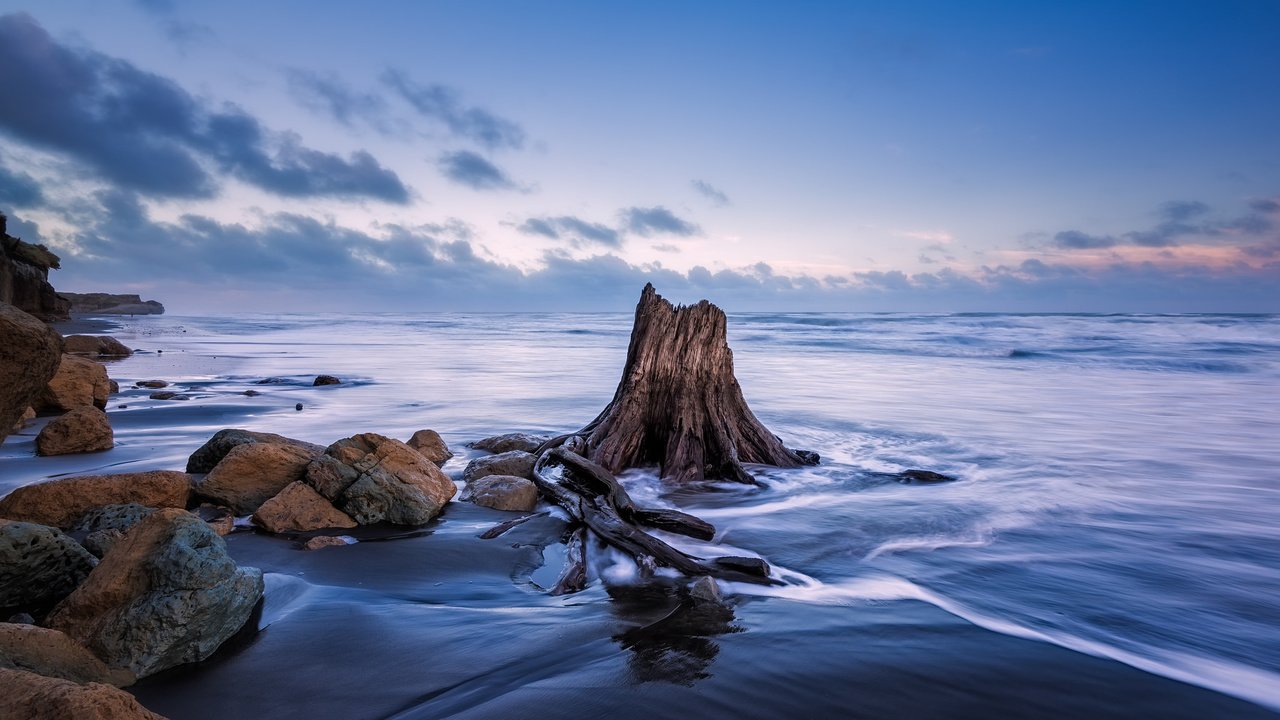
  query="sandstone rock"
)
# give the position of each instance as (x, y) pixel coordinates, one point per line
(252, 474)
(82, 430)
(211, 453)
(23, 421)
(165, 595)
(29, 357)
(511, 441)
(503, 492)
(221, 520)
(329, 476)
(323, 541)
(60, 503)
(35, 697)
(299, 508)
(53, 654)
(326, 380)
(39, 566)
(431, 445)
(513, 462)
(395, 484)
(79, 382)
(96, 346)
(24, 278)
(113, 387)
(151, 384)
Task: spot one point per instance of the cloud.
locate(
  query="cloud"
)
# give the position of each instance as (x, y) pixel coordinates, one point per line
(715, 195)
(657, 221)
(182, 34)
(145, 133)
(330, 95)
(1182, 210)
(467, 168)
(1076, 240)
(1181, 219)
(18, 189)
(578, 231)
(1265, 205)
(442, 104)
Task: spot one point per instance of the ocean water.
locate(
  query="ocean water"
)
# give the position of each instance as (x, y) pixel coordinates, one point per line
(1111, 549)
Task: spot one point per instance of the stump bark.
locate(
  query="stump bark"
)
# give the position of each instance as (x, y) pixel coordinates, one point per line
(678, 404)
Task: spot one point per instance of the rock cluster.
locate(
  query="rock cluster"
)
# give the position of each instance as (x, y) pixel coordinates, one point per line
(29, 356)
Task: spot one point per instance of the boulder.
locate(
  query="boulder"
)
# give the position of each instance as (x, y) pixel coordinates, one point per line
(153, 384)
(323, 541)
(60, 503)
(510, 441)
(35, 697)
(100, 542)
(395, 483)
(168, 395)
(220, 519)
(53, 654)
(29, 357)
(299, 508)
(96, 346)
(165, 595)
(113, 387)
(325, 380)
(431, 445)
(211, 453)
(23, 421)
(82, 430)
(329, 476)
(503, 492)
(79, 382)
(512, 462)
(252, 474)
(39, 566)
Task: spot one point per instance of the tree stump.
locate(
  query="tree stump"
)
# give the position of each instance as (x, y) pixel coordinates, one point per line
(678, 404)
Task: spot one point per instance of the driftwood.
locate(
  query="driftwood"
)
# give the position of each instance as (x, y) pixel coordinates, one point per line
(678, 404)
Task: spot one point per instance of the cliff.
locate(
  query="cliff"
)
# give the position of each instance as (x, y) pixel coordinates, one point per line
(108, 304)
(24, 277)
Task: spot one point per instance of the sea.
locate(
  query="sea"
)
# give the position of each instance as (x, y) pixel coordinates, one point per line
(1110, 546)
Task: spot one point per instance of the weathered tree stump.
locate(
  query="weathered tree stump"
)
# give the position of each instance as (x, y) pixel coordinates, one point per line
(678, 404)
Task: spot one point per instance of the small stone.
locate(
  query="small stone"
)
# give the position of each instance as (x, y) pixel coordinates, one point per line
(326, 380)
(704, 589)
(923, 477)
(163, 395)
(298, 407)
(251, 393)
(151, 384)
(324, 541)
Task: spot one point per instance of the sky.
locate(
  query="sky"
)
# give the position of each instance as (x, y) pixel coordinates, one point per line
(506, 156)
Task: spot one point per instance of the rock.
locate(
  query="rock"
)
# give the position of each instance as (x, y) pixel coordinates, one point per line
(22, 619)
(270, 381)
(252, 474)
(503, 492)
(79, 382)
(96, 346)
(117, 516)
(151, 384)
(23, 421)
(323, 541)
(82, 430)
(112, 304)
(168, 395)
(748, 565)
(211, 453)
(100, 542)
(298, 407)
(329, 477)
(165, 595)
(24, 278)
(512, 462)
(220, 519)
(299, 508)
(113, 387)
(251, 393)
(39, 566)
(326, 380)
(431, 445)
(395, 483)
(511, 441)
(35, 697)
(29, 356)
(53, 654)
(705, 590)
(922, 477)
(60, 503)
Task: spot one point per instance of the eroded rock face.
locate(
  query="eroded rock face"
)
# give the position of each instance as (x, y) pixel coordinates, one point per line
(60, 503)
(510, 441)
(299, 508)
(96, 346)
(211, 453)
(431, 445)
(79, 382)
(503, 492)
(81, 430)
(165, 595)
(252, 474)
(514, 462)
(39, 566)
(36, 697)
(394, 483)
(53, 654)
(29, 357)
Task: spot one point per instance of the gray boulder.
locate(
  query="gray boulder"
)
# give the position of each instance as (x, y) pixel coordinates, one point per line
(515, 462)
(39, 566)
(509, 442)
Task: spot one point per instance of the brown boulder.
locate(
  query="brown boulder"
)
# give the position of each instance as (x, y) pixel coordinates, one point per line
(513, 462)
(29, 357)
(395, 483)
(252, 474)
(323, 541)
(211, 453)
(53, 654)
(511, 441)
(79, 382)
(431, 445)
(60, 503)
(36, 697)
(26, 418)
(96, 346)
(503, 492)
(82, 430)
(298, 508)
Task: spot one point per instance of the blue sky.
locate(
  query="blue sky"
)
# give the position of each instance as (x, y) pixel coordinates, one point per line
(783, 156)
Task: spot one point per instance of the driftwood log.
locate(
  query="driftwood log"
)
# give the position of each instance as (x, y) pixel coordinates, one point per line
(678, 404)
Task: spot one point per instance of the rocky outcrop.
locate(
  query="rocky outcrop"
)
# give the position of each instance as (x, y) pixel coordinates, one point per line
(35, 697)
(514, 462)
(96, 346)
(510, 441)
(61, 503)
(503, 492)
(24, 277)
(252, 474)
(82, 430)
(431, 445)
(79, 382)
(39, 566)
(211, 453)
(29, 357)
(392, 482)
(299, 508)
(109, 304)
(165, 595)
(53, 654)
